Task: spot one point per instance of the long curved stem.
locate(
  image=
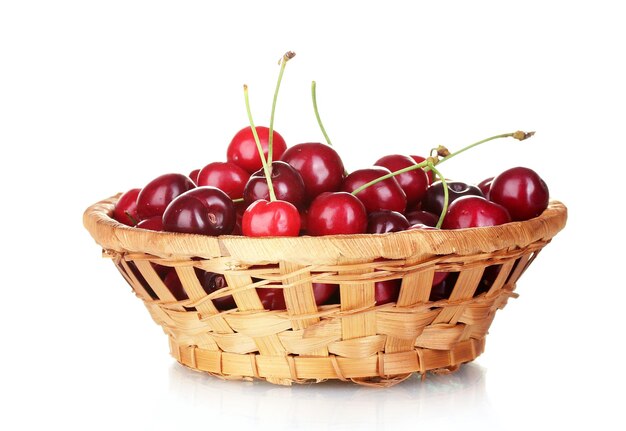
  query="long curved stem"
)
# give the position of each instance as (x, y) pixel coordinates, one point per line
(266, 169)
(446, 196)
(283, 62)
(317, 114)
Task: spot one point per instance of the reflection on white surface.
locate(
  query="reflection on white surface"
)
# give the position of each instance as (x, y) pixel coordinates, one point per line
(333, 404)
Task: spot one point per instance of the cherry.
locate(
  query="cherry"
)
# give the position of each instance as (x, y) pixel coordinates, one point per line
(433, 200)
(152, 223)
(485, 186)
(275, 218)
(413, 183)
(488, 278)
(226, 176)
(174, 285)
(319, 165)
(212, 282)
(336, 213)
(203, 210)
(386, 221)
(273, 298)
(430, 174)
(158, 193)
(287, 182)
(193, 175)
(243, 151)
(443, 289)
(323, 292)
(125, 210)
(474, 211)
(422, 217)
(521, 191)
(384, 195)
(386, 291)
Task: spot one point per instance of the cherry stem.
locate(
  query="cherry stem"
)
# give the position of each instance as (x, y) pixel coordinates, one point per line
(132, 219)
(446, 196)
(317, 114)
(238, 200)
(425, 164)
(266, 169)
(283, 62)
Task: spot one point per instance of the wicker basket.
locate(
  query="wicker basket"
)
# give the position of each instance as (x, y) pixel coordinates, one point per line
(353, 340)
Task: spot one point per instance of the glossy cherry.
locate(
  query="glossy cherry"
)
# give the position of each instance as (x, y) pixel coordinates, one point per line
(474, 211)
(193, 175)
(203, 210)
(488, 278)
(433, 200)
(335, 214)
(413, 183)
(152, 223)
(243, 151)
(384, 195)
(422, 217)
(386, 291)
(276, 218)
(319, 165)
(485, 186)
(226, 176)
(386, 221)
(430, 174)
(212, 282)
(443, 289)
(287, 182)
(158, 193)
(521, 191)
(125, 206)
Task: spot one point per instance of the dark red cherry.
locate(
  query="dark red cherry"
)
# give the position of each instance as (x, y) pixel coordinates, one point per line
(272, 298)
(193, 175)
(433, 200)
(413, 183)
(287, 182)
(158, 193)
(319, 165)
(385, 195)
(422, 217)
(386, 221)
(430, 174)
(323, 292)
(277, 218)
(125, 206)
(488, 278)
(335, 214)
(152, 223)
(443, 289)
(243, 151)
(203, 210)
(386, 291)
(485, 186)
(474, 211)
(212, 282)
(226, 176)
(521, 191)
(174, 285)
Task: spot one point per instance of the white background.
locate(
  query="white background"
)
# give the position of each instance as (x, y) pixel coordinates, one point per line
(100, 97)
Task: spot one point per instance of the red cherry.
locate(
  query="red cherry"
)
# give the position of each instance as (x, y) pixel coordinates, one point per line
(193, 175)
(319, 165)
(430, 174)
(274, 298)
(413, 183)
(385, 195)
(127, 204)
(226, 176)
(287, 183)
(276, 218)
(152, 223)
(485, 186)
(386, 291)
(521, 191)
(474, 211)
(336, 213)
(422, 217)
(203, 210)
(443, 289)
(434, 198)
(386, 221)
(212, 282)
(243, 151)
(158, 193)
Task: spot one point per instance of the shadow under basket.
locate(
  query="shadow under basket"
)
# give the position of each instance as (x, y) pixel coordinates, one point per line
(429, 326)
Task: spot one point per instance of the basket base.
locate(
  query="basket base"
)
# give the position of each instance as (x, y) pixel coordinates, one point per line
(384, 369)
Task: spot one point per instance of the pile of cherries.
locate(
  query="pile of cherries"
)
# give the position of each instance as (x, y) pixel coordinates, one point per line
(265, 188)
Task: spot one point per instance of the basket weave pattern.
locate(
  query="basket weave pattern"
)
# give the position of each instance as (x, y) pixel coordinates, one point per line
(354, 340)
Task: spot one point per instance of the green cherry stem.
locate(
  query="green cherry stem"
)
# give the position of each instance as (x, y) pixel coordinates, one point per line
(446, 196)
(517, 135)
(317, 114)
(266, 169)
(283, 62)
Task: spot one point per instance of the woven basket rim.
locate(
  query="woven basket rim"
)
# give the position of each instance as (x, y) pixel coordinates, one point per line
(331, 249)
